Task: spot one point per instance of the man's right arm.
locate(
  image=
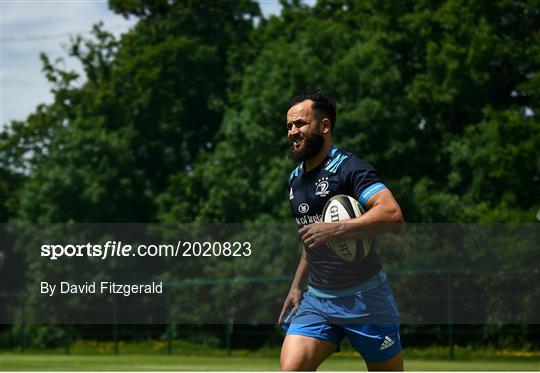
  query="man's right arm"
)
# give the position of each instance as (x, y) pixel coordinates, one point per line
(295, 293)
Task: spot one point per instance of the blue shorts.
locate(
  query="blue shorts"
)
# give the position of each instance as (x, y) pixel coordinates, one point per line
(369, 319)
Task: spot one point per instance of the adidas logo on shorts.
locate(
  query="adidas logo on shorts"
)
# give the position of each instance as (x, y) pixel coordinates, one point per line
(388, 342)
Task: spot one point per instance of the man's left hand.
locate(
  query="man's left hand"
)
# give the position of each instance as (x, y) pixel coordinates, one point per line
(317, 233)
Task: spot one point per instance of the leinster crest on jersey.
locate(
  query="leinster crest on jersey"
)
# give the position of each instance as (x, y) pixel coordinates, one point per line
(322, 187)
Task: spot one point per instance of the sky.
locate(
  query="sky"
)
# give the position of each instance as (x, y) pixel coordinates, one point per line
(29, 27)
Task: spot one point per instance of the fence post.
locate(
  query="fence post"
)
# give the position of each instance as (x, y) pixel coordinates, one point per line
(229, 330)
(22, 327)
(169, 338)
(115, 328)
(21, 337)
(67, 338)
(169, 325)
(450, 318)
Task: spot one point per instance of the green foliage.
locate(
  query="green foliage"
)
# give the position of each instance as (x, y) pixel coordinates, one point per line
(39, 336)
(105, 151)
(182, 118)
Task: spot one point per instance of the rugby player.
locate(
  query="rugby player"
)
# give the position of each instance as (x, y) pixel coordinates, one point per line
(343, 299)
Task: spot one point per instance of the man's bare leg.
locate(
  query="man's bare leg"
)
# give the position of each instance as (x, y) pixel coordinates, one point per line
(394, 364)
(300, 353)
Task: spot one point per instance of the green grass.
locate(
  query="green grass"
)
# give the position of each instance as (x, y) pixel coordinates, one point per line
(107, 362)
(89, 355)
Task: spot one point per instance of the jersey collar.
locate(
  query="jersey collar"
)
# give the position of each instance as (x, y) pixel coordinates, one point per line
(332, 151)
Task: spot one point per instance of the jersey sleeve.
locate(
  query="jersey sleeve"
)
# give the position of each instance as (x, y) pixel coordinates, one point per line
(362, 179)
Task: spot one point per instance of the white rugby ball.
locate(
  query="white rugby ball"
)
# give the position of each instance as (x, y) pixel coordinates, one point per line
(343, 207)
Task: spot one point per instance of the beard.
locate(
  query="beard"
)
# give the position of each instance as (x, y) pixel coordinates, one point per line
(312, 145)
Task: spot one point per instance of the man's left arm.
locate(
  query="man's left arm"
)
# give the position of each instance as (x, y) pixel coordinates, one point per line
(383, 214)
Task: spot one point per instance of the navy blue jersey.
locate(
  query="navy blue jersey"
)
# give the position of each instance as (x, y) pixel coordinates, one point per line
(340, 173)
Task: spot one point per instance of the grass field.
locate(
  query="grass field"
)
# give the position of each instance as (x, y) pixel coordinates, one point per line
(107, 362)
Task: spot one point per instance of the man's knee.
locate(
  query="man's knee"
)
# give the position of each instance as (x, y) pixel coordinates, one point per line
(293, 359)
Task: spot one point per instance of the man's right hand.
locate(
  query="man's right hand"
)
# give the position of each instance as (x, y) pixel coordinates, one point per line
(293, 300)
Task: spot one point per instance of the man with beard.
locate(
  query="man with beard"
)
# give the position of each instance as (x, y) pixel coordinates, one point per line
(351, 299)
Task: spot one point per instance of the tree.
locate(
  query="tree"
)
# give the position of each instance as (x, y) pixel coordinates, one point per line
(155, 97)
